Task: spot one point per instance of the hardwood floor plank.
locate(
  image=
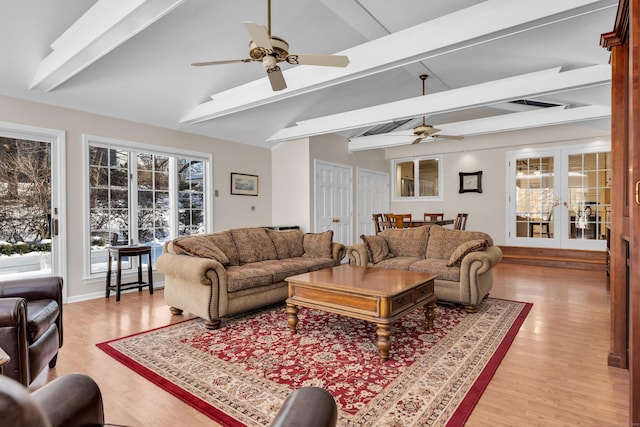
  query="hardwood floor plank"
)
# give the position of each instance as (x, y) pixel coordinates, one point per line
(554, 374)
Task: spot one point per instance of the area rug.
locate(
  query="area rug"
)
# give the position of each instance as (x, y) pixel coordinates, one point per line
(240, 374)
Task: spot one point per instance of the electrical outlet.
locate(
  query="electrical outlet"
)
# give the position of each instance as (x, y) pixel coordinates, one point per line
(215, 193)
(253, 208)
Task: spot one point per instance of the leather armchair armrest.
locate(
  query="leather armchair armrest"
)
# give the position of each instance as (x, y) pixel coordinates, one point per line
(13, 312)
(72, 400)
(307, 406)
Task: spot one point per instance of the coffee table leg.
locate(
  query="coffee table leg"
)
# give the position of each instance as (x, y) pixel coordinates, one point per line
(292, 317)
(430, 313)
(384, 340)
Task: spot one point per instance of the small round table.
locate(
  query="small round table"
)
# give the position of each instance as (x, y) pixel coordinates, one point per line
(128, 251)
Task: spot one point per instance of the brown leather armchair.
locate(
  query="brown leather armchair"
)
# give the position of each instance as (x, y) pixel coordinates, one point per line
(72, 400)
(307, 406)
(30, 325)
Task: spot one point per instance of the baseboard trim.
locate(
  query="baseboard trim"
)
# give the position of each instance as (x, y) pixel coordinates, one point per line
(552, 257)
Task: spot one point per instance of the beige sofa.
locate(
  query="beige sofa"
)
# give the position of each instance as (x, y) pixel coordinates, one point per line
(232, 271)
(462, 260)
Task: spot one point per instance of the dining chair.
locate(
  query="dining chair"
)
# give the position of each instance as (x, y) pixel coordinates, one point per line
(461, 221)
(398, 220)
(380, 222)
(433, 217)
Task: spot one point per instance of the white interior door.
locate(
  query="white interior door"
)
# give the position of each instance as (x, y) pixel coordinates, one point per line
(333, 195)
(373, 197)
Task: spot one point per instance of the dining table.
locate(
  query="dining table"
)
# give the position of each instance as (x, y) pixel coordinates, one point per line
(438, 222)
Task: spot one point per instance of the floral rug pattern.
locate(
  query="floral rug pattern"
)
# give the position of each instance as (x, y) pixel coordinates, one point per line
(241, 373)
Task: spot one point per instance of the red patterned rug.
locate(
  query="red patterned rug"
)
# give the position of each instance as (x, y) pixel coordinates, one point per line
(240, 374)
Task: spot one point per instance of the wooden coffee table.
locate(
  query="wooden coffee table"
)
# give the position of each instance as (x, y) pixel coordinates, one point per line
(372, 294)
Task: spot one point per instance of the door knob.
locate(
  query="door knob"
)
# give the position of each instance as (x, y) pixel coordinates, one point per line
(335, 220)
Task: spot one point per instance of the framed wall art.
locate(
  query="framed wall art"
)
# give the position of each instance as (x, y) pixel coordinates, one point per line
(243, 184)
(470, 182)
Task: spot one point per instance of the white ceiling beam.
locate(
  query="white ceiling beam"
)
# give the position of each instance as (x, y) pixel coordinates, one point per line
(102, 28)
(528, 85)
(501, 123)
(477, 24)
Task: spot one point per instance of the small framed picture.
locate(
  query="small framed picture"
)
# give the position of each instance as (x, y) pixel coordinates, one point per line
(243, 184)
(470, 182)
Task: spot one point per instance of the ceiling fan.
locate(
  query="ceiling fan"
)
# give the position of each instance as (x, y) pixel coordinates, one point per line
(270, 50)
(427, 131)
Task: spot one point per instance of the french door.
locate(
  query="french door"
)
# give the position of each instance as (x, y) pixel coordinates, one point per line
(32, 225)
(560, 198)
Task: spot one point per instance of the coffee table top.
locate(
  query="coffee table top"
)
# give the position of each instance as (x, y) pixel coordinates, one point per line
(366, 280)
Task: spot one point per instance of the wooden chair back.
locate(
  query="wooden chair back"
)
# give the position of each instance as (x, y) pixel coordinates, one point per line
(380, 222)
(461, 221)
(398, 220)
(433, 217)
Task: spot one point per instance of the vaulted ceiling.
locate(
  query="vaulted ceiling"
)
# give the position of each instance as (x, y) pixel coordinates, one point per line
(493, 65)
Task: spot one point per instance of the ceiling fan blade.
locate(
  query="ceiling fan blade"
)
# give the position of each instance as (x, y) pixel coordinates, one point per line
(276, 78)
(448, 136)
(323, 60)
(417, 140)
(229, 61)
(259, 35)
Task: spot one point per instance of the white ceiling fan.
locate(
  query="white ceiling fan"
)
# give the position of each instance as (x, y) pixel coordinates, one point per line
(270, 50)
(424, 130)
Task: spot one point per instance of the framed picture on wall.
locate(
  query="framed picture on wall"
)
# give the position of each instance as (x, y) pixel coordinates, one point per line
(470, 182)
(243, 184)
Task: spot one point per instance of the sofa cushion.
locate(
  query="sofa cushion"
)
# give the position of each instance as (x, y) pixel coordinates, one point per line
(288, 243)
(240, 277)
(253, 244)
(407, 242)
(377, 248)
(397, 263)
(200, 245)
(41, 315)
(443, 242)
(318, 245)
(314, 264)
(465, 248)
(438, 267)
(224, 241)
(281, 269)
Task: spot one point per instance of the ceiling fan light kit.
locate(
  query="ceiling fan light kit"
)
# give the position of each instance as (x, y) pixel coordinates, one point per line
(270, 50)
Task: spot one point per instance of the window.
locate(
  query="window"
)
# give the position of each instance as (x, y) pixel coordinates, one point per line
(141, 196)
(417, 179)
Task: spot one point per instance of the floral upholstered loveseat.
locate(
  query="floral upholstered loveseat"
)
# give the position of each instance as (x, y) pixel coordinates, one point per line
(232, 271)
(462, 260)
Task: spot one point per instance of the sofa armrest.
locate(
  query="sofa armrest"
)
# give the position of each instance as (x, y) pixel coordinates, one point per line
(338, 251)
(71, 400)
(307, 406)
(488, 259)
(190, 268)
(358, 254)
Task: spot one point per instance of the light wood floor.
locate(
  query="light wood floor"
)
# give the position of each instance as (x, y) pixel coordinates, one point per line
(555, 373)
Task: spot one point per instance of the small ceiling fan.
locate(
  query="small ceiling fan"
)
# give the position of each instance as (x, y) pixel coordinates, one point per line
(270, 50)
(424, 130)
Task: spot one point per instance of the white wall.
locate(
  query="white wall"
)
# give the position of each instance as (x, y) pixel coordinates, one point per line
(488, 153)
(291, 177)
(228, 211)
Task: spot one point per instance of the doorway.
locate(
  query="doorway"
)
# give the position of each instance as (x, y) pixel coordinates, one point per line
(31, 183)
(560, 198)
(373, 197)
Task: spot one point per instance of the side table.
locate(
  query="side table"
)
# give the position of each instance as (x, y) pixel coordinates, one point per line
(128, 251)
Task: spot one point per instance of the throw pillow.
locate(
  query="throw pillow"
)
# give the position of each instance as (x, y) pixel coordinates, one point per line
(288, 243)
(200, 246)
(253, 245)
(444, 241)
(377, 248)
(318, 245)
(464, 249)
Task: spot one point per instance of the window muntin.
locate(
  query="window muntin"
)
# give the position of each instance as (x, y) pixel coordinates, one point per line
(428, 186)
(167, 191)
